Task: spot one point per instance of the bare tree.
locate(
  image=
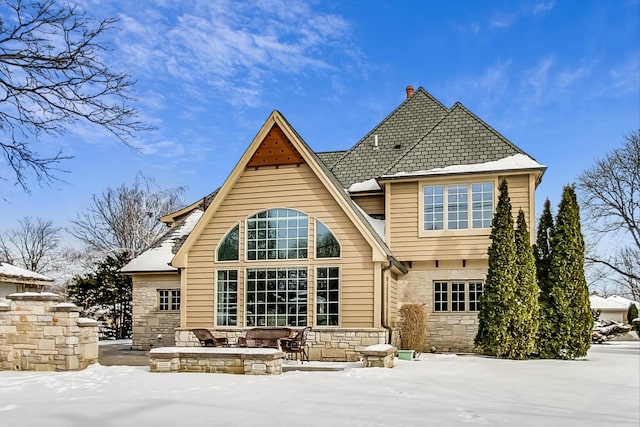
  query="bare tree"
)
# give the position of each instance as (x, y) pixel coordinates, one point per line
(126, 219)
(33, 245)
(610, 192)
(52, 76)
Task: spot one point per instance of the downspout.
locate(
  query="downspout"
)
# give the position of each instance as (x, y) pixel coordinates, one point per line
(383, 304)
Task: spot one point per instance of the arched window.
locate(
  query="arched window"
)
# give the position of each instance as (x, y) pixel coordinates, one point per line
(228, 248)
(277, 234)
(327, 245)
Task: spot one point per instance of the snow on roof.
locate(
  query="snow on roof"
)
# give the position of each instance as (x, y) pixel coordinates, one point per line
(368, 185)
(158, 257)
(377, 224)
(515, 162)
(599, 303)
(13, 272)
(622, 300)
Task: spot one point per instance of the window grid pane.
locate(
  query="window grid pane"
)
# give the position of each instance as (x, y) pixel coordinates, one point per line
(328, 296)
(227, 304)
(277, 234)
(168, 299)
(163, 299)
(441, 296)
(457, 207)
(457, 296)
(475, 292)
(276, 297)
(433, 207)
(175, 299)
(482, 204)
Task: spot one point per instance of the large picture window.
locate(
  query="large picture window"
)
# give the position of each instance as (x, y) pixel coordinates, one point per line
(457, 210)
(276, 297)
(277, 234)
(227, 298)
(456, 296)
(327, 296)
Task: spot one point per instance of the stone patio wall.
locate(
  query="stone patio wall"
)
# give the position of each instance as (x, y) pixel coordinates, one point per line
(329, 345)
(40, 333)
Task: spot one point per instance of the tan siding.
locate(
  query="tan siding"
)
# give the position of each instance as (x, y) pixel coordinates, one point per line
(519, 195)
(373, 205)
(403, 225)
(294, 187)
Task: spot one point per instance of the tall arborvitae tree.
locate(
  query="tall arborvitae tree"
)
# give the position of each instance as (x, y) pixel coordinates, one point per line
(568, 308)
(542, 253)
(497, 298)
(524, 318)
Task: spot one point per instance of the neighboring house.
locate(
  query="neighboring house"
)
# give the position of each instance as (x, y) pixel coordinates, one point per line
(609, 309)
(15, 279)
(339, 241)
(624, 301)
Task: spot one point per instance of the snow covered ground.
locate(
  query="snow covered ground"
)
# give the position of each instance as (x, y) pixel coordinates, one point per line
(437, 390)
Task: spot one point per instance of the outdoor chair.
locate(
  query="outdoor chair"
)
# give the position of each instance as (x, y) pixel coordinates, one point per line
(297, 345)
(208, 340)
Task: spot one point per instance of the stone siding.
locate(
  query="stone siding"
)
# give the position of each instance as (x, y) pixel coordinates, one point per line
(446, 331)
(246, 361)
(329, 345)
(39, 333)
(152, 327)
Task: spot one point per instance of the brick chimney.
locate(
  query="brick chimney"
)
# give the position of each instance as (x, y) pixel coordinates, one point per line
(409, 91)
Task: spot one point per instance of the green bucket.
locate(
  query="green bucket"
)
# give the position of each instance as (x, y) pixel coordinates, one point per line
(405, 354)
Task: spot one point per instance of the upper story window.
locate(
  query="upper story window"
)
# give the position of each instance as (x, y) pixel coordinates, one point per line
(327, 245)
(277, 234)
(447, 207)
(228, 249)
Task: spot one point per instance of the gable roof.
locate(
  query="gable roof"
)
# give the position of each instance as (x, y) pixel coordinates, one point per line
(468, 140)
(158, 257)
(380, 250)
(399, 131)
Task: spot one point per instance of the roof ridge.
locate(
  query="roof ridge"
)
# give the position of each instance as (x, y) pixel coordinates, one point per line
(410, 149)
(460, 105)
(420, 90)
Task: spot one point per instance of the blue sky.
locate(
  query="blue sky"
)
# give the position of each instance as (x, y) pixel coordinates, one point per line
(560, 79)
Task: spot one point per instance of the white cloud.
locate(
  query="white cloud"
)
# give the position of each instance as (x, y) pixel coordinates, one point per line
(231, 50)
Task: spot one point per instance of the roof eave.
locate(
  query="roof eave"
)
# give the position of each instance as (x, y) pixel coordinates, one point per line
(388, 178)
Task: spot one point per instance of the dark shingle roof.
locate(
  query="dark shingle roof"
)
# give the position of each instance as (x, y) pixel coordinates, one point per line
(460, 138)
(399, 131)
(329, 158)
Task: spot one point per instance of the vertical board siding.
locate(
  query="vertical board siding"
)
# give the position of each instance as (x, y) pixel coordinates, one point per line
(293, 187)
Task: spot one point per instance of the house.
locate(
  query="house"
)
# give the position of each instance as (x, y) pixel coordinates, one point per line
(17, 280)
(339, 241)
(611, 308)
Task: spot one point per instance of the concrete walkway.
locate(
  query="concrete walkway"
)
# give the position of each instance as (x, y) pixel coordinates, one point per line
(112, 353)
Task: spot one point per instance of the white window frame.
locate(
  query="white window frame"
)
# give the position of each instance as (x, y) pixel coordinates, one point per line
(237, 304)
(446, 231)
(450, 296)
(170, 303)
(316, 299)
(286, 291)
(248, 230)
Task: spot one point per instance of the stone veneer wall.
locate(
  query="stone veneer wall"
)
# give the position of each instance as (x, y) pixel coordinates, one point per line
(152, 327)
(329, 345)
(446, 331)
(39, 333)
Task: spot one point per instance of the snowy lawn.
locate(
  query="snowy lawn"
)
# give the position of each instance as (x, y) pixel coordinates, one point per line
(437, 390)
